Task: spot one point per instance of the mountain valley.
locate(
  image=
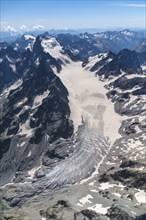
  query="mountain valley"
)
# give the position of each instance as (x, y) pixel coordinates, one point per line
(73, 127)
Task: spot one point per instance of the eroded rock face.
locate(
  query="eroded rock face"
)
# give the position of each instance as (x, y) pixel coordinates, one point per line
(125, 162)
(35, 111)
(58, 211)
(141, 217)
(118, 213)
(125, 60)
(63, 210)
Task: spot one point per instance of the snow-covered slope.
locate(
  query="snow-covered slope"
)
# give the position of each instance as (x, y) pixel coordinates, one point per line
(52, 46)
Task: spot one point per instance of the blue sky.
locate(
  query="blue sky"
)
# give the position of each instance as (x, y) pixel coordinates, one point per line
(37, 14)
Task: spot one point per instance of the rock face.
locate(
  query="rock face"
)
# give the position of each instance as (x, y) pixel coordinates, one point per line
(124, 78)
(8, 72)
(119, 214)
(37, 133)
(125, 82)
(34, 110)
(63, 210)
(125, 60)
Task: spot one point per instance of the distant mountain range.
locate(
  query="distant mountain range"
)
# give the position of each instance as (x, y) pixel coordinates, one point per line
(11, 36)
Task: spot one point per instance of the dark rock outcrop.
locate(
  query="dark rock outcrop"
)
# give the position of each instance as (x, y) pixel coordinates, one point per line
(118, 213)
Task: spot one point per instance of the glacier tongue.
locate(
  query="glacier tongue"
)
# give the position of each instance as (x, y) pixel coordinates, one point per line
(91, 109)
(90, 148)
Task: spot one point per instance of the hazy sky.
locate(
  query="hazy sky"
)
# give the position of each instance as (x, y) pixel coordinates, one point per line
(37, 14)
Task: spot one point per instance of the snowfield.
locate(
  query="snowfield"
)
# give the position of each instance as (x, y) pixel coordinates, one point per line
(88, 101)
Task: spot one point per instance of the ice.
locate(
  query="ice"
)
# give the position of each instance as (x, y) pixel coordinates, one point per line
(82, 162)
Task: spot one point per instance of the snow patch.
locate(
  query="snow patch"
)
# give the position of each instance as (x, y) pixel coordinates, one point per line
(92, 183)
(29, 154)
(37, 62)
(131, 76)
(99, 208)
(143, 68)
(95, 59)
(29, 37)
(141, 196)
(13, 67)
(128, 33)
(117, 194)
(109, 163)
(104, 186)
(39, 98)
(94, 190)
(85, 200)
(22, 102)
(25, 129)
(32, 172)
(21, 145)
(12, 87)
(29, 46)
(52, 46)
